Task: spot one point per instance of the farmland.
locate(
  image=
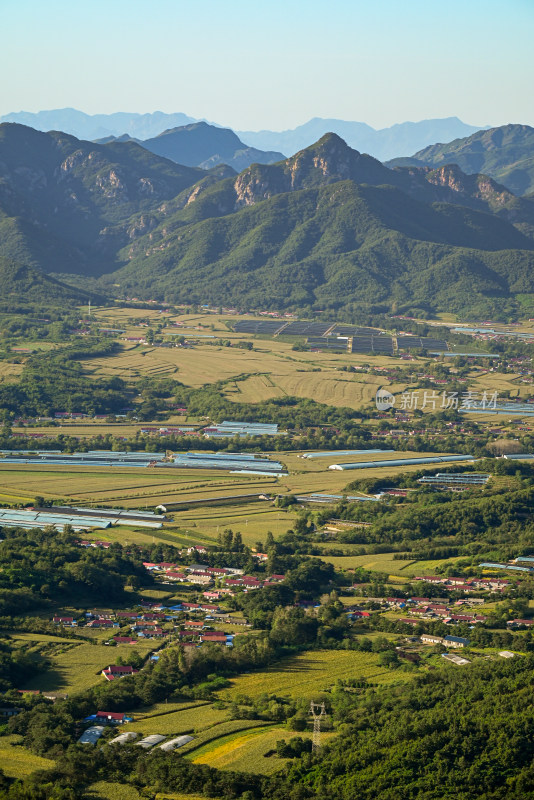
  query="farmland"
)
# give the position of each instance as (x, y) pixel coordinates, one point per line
(76, 666)
(309, 674)
(245, 751)
(190, 718)
(272, 369)
(16, 761)
(103, 790)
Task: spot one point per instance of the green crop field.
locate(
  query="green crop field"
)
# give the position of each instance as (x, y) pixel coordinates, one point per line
(112, 791)
(79, 666)
(311, 673)
(381, 562)
(193, 718)
(16, 761)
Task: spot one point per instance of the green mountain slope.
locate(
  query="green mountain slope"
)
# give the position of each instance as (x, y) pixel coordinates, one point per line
(327, 228)
(505, 153)
(68, 192)
(333, 247)
(19, 282)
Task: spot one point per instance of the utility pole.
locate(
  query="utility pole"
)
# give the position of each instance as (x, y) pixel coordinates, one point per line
(318, 712)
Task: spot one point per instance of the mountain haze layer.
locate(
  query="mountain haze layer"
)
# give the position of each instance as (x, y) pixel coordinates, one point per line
(384, 144)
(97, 126)
(398, 140)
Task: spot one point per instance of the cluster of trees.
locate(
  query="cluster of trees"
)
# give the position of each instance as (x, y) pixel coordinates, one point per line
(55, 381)
(440, 735)
(40, 566)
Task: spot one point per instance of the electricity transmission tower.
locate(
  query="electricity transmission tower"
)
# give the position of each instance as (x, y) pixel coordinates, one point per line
(318, 712)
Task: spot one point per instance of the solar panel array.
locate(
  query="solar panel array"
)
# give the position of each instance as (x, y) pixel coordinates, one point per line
(268, 326)
(300, 328)
(229, 429)
(79, 519)
(307, 328)
(420, 343)
(327, 343)
(335, 453)
(456, 479)
(352, 330)
(372, 344)
(333, 498)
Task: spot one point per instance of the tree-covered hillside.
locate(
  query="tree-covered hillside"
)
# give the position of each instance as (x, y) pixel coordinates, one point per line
(332, 246)
(505, 153)
(328, 228)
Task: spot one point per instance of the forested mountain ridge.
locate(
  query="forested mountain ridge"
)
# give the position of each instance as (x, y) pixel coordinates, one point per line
(505, 153)
(330, 227)
(327, 228)
(59, 195)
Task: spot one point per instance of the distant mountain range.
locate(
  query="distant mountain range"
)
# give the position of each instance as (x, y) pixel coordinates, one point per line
(505, 153)
(98, 126)
(398, 140)
(205, 146)
(383, 144)
(328, 228)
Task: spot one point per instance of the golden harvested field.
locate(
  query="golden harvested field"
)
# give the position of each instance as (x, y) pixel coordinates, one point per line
(427, 567)
(309, 674)
(79, 667)
(244, 751)
(16, 761)
(271, 369)
(249, 751)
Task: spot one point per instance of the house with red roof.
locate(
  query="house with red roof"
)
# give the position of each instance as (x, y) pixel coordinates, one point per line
(118, 671)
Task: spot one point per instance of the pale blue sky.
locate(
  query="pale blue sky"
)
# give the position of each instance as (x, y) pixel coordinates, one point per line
(272, 64)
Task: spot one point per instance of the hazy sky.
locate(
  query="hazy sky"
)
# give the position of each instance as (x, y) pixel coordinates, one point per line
(272, 64)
